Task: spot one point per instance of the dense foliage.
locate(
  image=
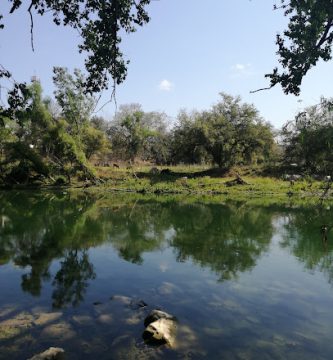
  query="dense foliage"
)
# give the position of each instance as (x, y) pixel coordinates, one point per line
(135, 133)
(307, 40)
(308, 139)
(40, 141)
(229, 133)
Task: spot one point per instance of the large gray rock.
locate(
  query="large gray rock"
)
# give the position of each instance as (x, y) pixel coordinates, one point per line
(160, 328)
(50, 354)
(155, 315)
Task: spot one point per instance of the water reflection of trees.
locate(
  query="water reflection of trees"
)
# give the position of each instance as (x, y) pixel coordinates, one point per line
(305, 240)
(135, 228)
(71, 280)
(45, 227)
(228, 239)
(40, 228)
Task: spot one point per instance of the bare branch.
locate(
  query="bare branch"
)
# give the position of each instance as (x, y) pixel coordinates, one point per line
(113, 97)
(283, 6)
(262, 89)
(324, 36)
(31, 26)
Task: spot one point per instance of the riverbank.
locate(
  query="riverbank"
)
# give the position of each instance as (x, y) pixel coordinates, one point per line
(205, 181)
(194, 180)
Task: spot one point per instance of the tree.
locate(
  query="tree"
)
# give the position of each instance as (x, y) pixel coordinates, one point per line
(36, 145)
(99, 123)
(76, 106)
(307, 40)
(187, 144)
(308, 139)
(233, 132)
(156, 145)
(134, 132)
(94, 141)
(230, 133)
(99, 24)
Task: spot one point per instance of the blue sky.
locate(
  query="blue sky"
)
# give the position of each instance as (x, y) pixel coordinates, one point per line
(189, 52)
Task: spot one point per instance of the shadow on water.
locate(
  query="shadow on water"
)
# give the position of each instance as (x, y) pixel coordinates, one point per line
(50, 241)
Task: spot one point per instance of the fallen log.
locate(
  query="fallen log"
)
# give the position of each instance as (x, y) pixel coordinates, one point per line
(237, 181)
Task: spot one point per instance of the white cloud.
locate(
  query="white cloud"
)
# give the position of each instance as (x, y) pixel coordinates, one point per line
(165, 85)
(239, 67)
(241, 70)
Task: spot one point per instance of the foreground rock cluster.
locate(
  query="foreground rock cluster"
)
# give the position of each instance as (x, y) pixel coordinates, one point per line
(160, 329)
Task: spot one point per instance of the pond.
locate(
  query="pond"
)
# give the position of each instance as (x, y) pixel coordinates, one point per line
(245, 280)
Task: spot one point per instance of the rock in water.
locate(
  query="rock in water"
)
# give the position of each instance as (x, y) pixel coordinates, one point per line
(50, 354)
(160, 331)
(156, 315)
(160, 328)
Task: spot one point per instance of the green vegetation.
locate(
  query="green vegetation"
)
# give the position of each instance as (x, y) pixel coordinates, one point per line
(42, 140)
(199, 180)
(308, 140)
(229, 134)
(307, 40)
(47, 142)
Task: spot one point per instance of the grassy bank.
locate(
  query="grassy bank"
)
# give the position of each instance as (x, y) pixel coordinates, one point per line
(197, 181)
(205, 181)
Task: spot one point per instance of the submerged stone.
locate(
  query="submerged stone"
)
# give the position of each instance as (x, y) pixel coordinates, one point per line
(50, 354)
(12, 327)
(121, 299)
(135, 304)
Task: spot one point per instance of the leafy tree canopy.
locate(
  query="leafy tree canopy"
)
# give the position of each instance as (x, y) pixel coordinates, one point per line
(76, 106)
(230, 133)
(38, 142)
(134, 132)
(307, 40)
(99, 23)
(308, 139)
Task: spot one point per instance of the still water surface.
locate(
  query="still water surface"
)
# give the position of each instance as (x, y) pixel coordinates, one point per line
(245, 281)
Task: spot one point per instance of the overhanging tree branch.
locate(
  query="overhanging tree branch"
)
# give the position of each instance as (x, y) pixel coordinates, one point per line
(307, 40)
(31, 26)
